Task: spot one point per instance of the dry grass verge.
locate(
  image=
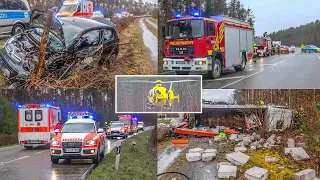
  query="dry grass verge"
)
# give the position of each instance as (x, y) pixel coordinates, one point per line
(150, 27)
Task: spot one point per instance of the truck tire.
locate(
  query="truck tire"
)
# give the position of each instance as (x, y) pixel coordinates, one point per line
(96, 159)
(54, 160)
(216, 69)
(182, 72)
(243, 64)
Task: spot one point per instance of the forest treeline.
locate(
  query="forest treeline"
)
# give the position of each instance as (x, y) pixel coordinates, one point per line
(304, 34)
(100, 103)
(107, 7)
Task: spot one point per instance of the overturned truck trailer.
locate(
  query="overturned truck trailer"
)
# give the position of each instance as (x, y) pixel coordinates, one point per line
(272, 118)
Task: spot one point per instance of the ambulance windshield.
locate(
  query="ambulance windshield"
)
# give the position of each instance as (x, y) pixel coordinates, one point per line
(69, 8)
(78, 128)
(185, 29)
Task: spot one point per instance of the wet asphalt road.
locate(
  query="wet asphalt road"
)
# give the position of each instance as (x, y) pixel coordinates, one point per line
(18, 163)
(285, 71)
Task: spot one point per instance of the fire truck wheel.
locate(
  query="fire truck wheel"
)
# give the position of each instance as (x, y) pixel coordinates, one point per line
(54, 160)
(96, 160)
(216, 69)
(182, 72)
(242, 66)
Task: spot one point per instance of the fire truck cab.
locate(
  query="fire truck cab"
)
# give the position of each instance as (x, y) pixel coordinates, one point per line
(36, 124)
(207, 44)
(262, 46)
(128, 122)
(79, 138)
(81, 8)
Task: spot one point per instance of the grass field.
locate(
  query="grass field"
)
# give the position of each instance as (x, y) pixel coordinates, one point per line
(133, 165)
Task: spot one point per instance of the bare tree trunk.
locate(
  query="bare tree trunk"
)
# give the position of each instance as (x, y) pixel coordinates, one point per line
(43, 47)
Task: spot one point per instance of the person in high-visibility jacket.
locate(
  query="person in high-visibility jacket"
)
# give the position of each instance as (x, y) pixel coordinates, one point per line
(302, 48)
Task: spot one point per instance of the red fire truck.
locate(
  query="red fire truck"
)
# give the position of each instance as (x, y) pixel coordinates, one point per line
(128, 122)
(36, 124)
(207, 44)
(262, 46)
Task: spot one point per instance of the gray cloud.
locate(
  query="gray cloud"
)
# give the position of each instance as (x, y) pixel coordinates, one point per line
(217, 94)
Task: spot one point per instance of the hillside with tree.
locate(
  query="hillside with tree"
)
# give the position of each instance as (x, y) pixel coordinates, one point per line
(304, 34)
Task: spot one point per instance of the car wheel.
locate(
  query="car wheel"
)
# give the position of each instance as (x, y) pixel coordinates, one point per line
(54, 160)
(243, 64)
(17, 29)
(103, 152)
(28, 147)
(96, 160)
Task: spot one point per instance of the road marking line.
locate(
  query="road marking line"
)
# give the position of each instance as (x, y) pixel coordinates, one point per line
(15, 159)
(317, 55)
(42, 151)
(255, 73)
(226, 78)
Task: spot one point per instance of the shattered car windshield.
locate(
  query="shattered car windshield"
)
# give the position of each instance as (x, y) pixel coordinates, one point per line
(53, 41)
(70, 32)
(78, 128)
(69, 8)
(185, 29)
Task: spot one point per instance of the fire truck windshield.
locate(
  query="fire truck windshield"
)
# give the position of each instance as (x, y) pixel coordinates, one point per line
(185, 29)
(69, 8)
(116, 125)
(258, 40)
(78, 128)
(125, 122)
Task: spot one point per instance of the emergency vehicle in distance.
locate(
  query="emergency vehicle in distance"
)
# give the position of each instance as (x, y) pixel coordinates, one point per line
(36, 123)
(262, 46)
(127, 120)
(211, 45)
(81, 8)
(117, 129)
(79, 138)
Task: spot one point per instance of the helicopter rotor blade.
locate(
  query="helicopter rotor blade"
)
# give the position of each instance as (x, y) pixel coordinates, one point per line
(139, 81)
(170, 86)
(167, 82)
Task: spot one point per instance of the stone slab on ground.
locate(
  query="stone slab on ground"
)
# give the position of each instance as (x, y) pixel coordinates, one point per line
(208, 156)
(297, 153)
(291, 143)
(210, 151)
(226, 171)
(253, 148)
(240, 149)
(233, 136)
(307, 174)
(238, 158)
(271, 138)
(191, 157)
(256, 173)
(196, 150)
(217, 138)
(224, 163)
(271, 159)
(247, 140)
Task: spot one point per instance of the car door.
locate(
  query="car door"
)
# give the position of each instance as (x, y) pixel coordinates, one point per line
(110, 44)
(88, 46)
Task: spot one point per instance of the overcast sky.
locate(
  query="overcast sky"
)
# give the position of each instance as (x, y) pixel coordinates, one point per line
(274, 15)
(217, 94)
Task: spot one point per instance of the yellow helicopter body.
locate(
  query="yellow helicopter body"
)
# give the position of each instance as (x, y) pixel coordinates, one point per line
(161, 96)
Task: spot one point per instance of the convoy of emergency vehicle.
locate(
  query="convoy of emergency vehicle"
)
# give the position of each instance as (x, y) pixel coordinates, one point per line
(80, 136)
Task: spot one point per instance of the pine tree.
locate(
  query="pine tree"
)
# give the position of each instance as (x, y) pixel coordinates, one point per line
(220, 7)
(208, 8)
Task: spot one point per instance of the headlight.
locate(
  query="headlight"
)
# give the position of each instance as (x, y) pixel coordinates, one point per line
(91, 142)
(55, 143)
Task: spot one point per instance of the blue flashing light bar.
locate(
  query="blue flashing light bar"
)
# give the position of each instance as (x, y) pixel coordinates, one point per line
(178, 16)
(196, 14)
(47, 105)
(91, 117)
(19, 106)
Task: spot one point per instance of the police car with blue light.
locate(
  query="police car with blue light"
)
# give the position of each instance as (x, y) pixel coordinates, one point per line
(14, 16)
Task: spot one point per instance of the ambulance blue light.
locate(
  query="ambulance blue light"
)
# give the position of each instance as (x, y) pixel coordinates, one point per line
(19, 106)
(68, 112)
(47, 105)
(178, 16)
(196, 14)
(91, 117)
(86, 112)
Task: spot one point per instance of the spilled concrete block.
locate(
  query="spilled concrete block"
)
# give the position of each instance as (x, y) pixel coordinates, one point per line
(226, 171)
(271, 138)
(224, 163)
(291, 143)
(196, 150)
(210, 151)
(271, 159)
(307, 174)
(256, 173)
(240, 149)
(297, 153)
(253, 148)
(233, 136)
(208, 156)
(238, 158)
(193, 157)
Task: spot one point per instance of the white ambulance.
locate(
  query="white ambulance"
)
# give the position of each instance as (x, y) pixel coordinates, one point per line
(36, 123)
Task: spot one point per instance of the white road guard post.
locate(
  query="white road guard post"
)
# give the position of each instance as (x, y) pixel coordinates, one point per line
(118, 155)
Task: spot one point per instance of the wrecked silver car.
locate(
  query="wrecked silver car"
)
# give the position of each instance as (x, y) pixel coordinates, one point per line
(71, 41)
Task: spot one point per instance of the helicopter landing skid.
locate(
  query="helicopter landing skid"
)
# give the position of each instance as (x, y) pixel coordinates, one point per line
(150, 106)
(166, 107)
